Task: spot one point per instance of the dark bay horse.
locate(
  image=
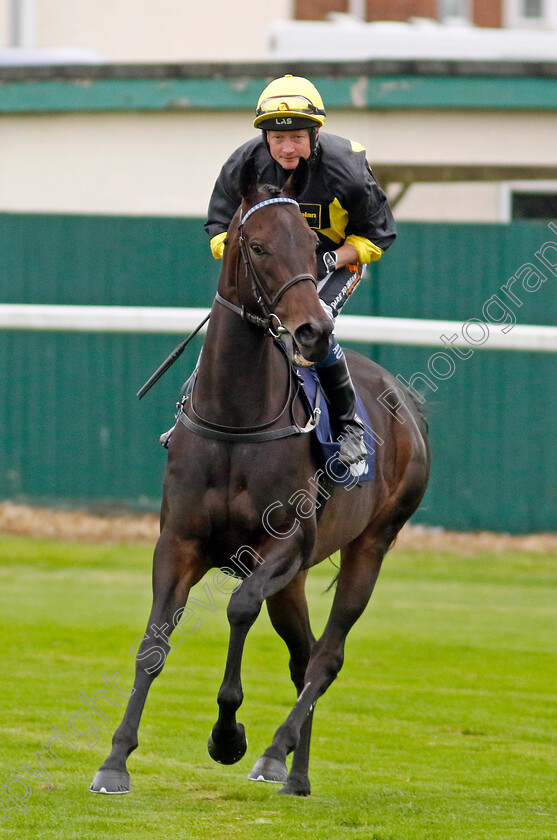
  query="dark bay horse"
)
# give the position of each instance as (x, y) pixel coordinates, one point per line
(240, 492)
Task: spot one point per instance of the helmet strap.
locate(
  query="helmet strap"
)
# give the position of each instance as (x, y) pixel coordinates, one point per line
(313, 141)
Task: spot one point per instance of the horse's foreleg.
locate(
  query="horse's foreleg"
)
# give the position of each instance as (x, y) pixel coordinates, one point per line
(288, 612)
(174, 573)
(227, 742)
(361, 563)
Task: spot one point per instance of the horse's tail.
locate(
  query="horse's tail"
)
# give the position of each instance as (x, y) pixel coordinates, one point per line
(334, 580)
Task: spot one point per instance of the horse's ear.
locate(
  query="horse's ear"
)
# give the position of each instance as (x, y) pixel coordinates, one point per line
(296, 184)
(248, 178)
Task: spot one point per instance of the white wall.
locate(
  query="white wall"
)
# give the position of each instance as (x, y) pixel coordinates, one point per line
(166, 163)
(452, 137)
(4, 23)
(136, 163)
(155, 30)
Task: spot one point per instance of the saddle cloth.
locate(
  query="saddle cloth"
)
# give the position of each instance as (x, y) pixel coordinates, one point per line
(336, 471)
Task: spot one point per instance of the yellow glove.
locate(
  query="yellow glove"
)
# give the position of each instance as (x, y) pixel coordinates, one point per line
(217, 245)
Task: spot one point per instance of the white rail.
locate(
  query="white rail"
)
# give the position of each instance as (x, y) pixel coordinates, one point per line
(366, 329)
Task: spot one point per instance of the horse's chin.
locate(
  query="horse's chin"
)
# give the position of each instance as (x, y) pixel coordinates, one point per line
(299, 360)
(308, 356)
(305, 356)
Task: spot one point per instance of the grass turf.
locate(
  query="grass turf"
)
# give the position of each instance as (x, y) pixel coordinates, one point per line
(441, 725)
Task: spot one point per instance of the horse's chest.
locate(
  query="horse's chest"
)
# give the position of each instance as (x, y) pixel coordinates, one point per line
(226, 500)
(232, 509)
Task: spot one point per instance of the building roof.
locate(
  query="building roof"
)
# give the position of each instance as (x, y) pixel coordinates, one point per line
(352, 85)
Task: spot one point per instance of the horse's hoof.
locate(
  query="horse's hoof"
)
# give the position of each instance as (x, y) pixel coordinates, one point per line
(296, 787)
(268, 770)
(231, 750)
(111, 781)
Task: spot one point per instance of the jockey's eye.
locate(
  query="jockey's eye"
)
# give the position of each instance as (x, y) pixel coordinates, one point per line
(256, 248)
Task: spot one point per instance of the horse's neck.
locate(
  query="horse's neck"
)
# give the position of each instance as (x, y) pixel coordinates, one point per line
(243, 379)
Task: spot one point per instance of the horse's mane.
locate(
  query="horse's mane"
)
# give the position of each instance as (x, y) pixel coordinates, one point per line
(272, 190)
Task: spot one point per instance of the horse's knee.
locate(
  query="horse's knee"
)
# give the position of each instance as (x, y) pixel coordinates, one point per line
(325, 667)
(150, 659)
(298, 672)
(243, 611)
(152, 671)
(332, 667)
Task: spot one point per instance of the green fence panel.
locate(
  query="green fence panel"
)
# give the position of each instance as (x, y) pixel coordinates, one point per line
(74, 433)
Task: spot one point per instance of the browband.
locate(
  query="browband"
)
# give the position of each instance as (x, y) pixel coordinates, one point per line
(277, 200)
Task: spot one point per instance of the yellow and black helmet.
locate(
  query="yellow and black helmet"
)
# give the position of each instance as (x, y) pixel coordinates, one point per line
(289, 103)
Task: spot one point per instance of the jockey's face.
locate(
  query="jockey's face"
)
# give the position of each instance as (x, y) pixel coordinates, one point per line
(287, 147)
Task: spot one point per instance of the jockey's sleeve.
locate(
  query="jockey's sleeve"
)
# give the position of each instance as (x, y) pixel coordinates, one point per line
(370, 226)
(367, 251)
(225, 198)
(222, 207)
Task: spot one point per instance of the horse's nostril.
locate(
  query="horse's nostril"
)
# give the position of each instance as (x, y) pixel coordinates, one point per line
(313, 332)
(307, 335)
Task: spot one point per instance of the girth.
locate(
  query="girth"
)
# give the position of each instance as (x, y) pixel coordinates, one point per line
(246, 437)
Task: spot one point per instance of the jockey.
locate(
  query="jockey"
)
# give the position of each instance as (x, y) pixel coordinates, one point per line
(342, 202)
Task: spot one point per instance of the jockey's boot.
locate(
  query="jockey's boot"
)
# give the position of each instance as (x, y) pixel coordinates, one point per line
(185, 391)
(339, 390)
(164, 439)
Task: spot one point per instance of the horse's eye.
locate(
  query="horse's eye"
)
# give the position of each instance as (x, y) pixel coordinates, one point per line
(257, 249)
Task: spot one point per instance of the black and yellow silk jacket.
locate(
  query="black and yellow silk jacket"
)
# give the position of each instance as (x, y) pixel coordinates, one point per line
(342, 201)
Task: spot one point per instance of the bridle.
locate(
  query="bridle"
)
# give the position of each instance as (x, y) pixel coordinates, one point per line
(271, 322)
(264, 300)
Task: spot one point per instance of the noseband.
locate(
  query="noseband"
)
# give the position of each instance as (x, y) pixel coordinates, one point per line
(265, 301)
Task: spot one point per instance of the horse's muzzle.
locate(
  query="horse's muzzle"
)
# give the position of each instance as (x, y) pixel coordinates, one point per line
(313, 339)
